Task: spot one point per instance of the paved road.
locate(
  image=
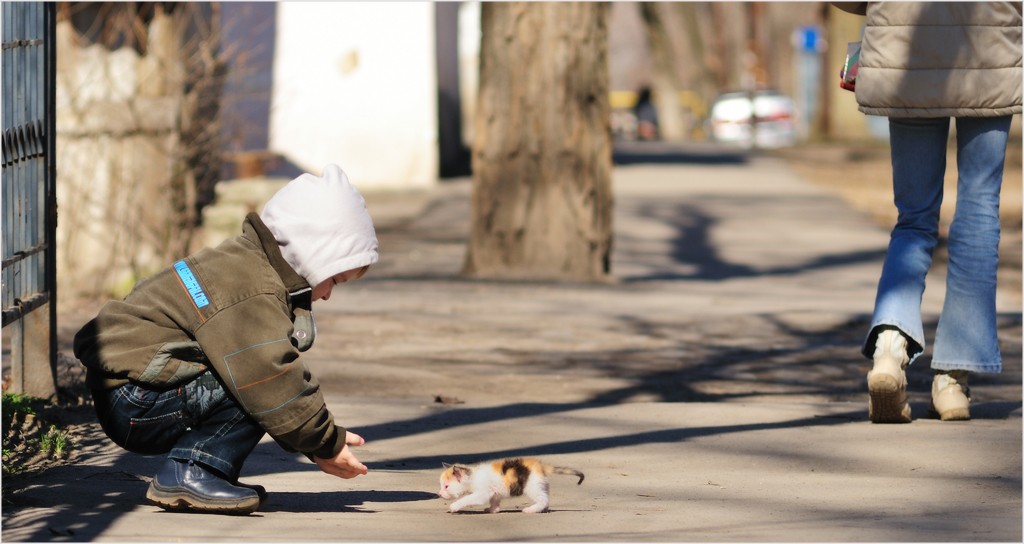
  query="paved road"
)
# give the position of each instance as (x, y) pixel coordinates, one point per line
(712, 393)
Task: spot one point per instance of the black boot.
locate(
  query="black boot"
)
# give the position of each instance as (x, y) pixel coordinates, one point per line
(184, 485)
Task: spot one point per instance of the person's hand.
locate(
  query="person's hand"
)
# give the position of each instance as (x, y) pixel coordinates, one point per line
(344, 465)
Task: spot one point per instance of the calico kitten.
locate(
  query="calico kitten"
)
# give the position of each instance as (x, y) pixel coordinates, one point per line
(488, 483)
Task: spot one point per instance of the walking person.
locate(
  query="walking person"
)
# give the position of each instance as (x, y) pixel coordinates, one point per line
(201, 360)
(921, 65)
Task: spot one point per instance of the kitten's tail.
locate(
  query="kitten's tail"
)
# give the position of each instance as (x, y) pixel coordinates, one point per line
(569, 471)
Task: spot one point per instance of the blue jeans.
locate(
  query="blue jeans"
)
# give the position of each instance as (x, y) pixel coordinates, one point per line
(966, 335)
(198, 421)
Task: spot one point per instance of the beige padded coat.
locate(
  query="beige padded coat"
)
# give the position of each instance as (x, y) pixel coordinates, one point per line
(939, 59)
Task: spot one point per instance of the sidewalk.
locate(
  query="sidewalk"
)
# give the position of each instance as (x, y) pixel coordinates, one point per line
(714, 392)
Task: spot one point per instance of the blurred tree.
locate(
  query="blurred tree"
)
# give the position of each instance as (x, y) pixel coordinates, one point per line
(697, 16)
(659, 25)
(542, 200)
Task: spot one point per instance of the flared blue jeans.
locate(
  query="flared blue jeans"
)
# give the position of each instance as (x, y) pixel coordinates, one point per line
(965, 338)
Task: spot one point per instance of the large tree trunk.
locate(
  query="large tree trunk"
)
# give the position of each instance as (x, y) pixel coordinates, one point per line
(542, 202)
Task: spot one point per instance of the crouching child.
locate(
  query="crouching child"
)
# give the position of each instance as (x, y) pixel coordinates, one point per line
(201, 360)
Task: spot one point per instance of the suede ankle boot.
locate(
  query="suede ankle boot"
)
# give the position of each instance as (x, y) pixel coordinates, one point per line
(951, 398)
(887, 380)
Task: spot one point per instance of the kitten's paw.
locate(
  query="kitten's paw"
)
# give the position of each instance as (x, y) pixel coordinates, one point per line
(535, 509)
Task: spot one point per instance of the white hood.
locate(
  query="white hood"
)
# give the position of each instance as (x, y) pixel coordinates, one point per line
(322, 225)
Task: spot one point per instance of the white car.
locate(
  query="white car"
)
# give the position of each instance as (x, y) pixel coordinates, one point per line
(776, 126)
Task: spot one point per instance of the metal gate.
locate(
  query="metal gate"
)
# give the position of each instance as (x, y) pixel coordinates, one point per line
(29, 195)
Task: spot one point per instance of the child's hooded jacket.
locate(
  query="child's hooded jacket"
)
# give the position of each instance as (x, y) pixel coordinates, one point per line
(243, 310)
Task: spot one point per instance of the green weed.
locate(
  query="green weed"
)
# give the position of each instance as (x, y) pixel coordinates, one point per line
(15, 404)
(27, 437)
(54, 441)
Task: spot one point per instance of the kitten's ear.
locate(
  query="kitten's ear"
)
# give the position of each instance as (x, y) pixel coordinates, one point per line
(446, 465)
(459, 471)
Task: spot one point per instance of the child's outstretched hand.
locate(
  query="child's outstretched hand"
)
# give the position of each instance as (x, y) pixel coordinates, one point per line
(344, 465)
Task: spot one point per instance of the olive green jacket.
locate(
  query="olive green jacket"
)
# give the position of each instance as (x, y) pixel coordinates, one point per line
(237, 309)
(939, 59)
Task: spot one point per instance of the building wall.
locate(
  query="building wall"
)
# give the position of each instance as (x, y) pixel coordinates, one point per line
(355, 84)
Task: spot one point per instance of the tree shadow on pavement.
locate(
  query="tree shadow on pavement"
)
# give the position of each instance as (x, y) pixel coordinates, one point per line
(661, 436)
(821, 364)
(693, 246)
(86, 500)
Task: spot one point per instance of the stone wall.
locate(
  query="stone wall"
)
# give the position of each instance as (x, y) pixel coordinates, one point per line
(126, 193)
